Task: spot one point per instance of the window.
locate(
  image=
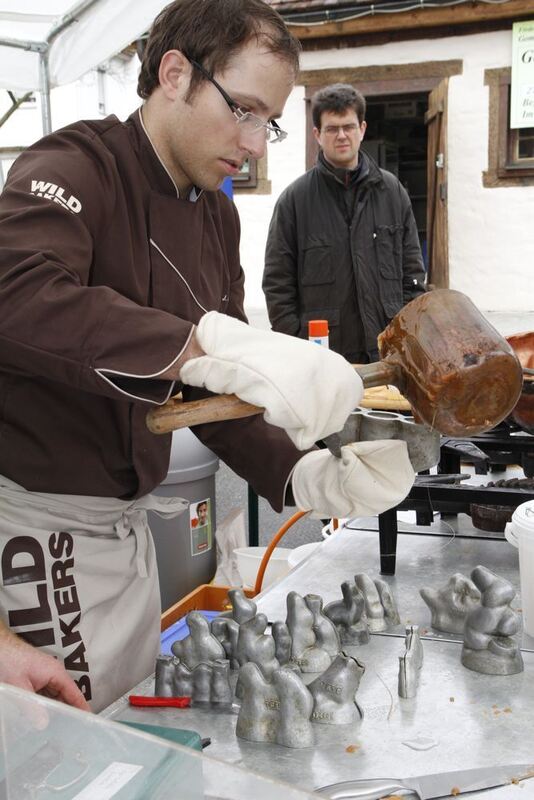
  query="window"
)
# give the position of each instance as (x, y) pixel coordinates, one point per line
(247, 177)
(253, 177)
(510, 151)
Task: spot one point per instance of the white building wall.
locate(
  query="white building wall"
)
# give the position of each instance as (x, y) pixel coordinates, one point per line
(491, 231)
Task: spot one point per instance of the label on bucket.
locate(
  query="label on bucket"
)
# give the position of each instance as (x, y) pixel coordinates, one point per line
(200, 526)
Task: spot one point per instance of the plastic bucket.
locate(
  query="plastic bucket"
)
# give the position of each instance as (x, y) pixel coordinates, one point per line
(185, 545)
(520, 533)
(298, 554)
(249, 560)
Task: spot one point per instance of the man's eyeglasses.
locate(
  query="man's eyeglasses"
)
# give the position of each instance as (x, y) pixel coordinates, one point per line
(245, 119)
(335, 130)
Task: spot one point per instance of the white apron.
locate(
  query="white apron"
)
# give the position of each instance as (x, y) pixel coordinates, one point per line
(79, 579)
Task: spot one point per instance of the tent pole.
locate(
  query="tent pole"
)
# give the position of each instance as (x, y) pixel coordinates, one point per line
(46, 111)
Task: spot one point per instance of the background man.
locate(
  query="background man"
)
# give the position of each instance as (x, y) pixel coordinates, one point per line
(120, 283)
(342, 243)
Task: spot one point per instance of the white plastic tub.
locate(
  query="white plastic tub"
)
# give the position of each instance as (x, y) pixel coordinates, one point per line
(300, 553)
(249, 560)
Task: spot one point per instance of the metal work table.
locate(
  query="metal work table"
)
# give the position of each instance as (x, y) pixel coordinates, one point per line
(473, 719)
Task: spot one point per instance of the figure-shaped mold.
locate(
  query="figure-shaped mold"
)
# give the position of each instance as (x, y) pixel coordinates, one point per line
(304, 650)
(450, 604)
(380, 607)
(164, 676)
(373, 607)
(202, 683)
(391, 614)
(282, 640)
(334, 692)
(348, 615)
(183, 680)
(220, 689)
(488, 644)
(410, 663)
(260, 707)
(200, 646)
(294, 728)
(226, 631)
(326, 635)
(256, 646)
(414, 644)
(243, 608)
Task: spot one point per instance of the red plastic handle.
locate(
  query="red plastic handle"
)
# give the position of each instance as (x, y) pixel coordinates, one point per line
(174, 702)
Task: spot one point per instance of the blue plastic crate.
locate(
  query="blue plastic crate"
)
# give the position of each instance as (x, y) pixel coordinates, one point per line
(180, 630)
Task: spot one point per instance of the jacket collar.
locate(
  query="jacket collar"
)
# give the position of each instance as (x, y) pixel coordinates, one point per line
(157, 173)
(367, 170)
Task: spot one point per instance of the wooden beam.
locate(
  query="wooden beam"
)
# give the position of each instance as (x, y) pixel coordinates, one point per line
(417, 18)
(394, 76)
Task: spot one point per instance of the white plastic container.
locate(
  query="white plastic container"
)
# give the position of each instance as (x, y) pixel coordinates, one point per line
(249, 560)
(298, 554)
(520, 533)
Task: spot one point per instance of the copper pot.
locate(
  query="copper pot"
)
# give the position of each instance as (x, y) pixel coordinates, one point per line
(523, 412)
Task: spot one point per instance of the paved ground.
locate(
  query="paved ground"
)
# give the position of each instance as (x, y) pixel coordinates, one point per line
(232, 491)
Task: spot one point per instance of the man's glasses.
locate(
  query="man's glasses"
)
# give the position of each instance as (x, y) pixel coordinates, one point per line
(245, 119)
(335, 130)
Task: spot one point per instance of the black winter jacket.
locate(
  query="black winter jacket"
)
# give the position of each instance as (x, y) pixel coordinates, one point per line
(346, 253)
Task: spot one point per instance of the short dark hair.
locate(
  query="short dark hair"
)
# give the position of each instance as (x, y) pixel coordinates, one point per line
(337, 98)
(211, 32)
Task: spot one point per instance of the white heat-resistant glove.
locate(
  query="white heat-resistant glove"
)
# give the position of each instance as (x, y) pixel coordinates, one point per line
(306, 389)
(369, 478)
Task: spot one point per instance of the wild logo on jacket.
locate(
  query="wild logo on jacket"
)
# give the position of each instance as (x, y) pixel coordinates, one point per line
(51, 191)
(48, 613)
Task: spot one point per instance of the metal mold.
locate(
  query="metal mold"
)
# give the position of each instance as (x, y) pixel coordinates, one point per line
(164, 676)
(334, 692)
(296, 705)
(365, 425)
(220, 690)
(226, 631)
(183, 680)
(243, 608)
(260, 707)
(410, 663)
(450, 604)
(348, 615)
(305, 651)
(414, 644)
(255, 645)
(282, 640)
(200, 646)
(326, 635)
(391, 614)
(489, 643)
(380, 607)
(277, 712)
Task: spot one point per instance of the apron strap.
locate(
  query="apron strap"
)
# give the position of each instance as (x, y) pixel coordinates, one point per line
(134, 520)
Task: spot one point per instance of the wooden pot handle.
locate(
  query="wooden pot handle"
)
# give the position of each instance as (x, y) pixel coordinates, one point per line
(176, 414)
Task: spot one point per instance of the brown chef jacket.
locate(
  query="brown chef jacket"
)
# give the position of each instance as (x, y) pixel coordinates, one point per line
(103, 268)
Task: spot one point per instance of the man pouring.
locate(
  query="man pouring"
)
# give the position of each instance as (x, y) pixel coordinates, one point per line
(116, 300)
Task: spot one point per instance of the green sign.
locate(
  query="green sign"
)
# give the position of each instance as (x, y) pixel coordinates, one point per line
(522, 96)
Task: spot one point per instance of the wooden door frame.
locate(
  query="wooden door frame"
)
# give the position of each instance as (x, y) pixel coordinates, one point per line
(437, 182)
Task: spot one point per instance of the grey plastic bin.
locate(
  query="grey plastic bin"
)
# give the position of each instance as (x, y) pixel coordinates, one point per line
(185, 545)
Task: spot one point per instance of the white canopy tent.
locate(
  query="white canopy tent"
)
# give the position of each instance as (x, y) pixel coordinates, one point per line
(48, 43)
